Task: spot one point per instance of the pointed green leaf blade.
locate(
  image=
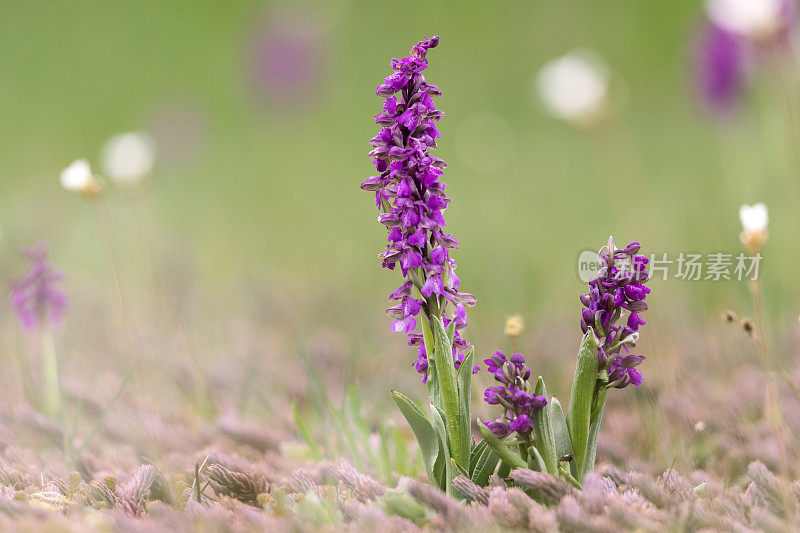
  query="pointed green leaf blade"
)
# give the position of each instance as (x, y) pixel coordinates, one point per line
(543, 431)
(560, 431)
(465, 400)
(535, 461)
(456, 427)
(451, 331)
(504, 469)
(581, 396)
(423, 430)
(485, 467)
(503, 452)
(444, 454)
(477, 450)
(458, 470)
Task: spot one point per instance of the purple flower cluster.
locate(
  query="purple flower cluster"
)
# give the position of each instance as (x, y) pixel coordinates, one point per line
(618, 287)
(411, 199)
(36, 297)
(514, 395)
(723, 56)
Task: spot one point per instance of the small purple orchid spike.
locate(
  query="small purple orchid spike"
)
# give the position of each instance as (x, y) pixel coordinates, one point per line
(514, 394)
(37, 297)
(618, 288)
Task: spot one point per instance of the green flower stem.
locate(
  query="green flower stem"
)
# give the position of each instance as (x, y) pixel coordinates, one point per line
(566, 475)
(505, 454)
(52, 382)
(582, 398)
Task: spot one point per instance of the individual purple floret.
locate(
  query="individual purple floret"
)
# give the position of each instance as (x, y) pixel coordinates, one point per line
(37, 297)
(411, 199)
(617, 289)
(515, 395)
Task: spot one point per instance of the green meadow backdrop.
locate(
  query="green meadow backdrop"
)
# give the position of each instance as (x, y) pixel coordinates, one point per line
(256, 190)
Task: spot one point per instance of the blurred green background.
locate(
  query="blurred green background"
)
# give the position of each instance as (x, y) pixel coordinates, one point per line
(257, 186)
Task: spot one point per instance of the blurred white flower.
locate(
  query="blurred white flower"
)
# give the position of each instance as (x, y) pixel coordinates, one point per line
(574, 87)
(750, 18)
(78, 177)
(129, 157)
(754, 217)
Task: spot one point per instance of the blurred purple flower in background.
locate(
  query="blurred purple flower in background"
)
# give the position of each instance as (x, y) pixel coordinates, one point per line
(519, 404)
(37, 297)
(285, 58)
(617, 288)
(735, 33)
(411, 200)
(720, 67)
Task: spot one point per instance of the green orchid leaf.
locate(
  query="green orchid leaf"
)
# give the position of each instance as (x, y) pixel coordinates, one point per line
(477, 450)
(458, 470)
(560, 430)
(444, 454)
(504, 469)
(465, 401)
(456, 427)
(535, 461)
(505, 453)
(426, 436)
(439, 470)
(543, 431)
(581, 398)
(451, 331)
(484, 466)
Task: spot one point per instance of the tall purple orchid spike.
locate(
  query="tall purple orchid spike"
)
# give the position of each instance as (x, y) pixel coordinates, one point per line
(411, 199)
(37, 297)
(617, 289)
